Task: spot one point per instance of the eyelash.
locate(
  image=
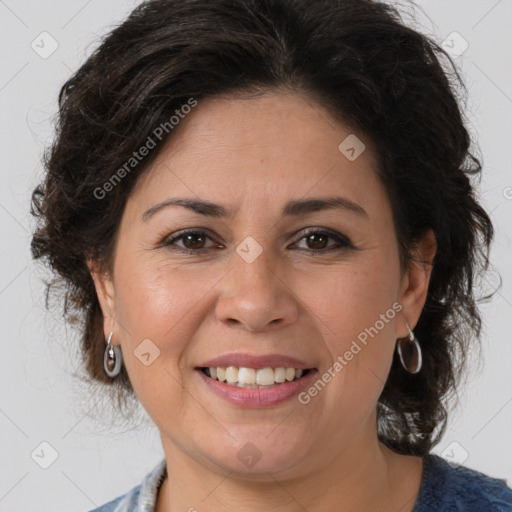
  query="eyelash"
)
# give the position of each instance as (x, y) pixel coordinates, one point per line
(342, 241)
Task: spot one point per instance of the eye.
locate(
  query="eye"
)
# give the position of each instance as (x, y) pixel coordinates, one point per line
(193, 241)
(317, 241)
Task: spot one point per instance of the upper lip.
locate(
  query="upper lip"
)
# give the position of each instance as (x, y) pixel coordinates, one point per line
(256, 361)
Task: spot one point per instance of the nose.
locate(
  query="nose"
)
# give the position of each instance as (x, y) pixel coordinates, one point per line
(254, 297)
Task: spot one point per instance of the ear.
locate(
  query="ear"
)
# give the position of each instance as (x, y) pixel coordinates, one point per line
(415, 282)
(106, 296)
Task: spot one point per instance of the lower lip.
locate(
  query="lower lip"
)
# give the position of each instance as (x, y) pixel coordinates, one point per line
(255, 397)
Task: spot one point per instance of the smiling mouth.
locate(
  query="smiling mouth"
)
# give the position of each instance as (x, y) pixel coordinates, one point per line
(261, 378)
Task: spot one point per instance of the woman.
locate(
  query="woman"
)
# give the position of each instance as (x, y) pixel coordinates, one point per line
(263, 211)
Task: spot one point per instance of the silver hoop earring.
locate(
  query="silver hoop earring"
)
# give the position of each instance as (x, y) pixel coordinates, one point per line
(409, 351)
(112, 358)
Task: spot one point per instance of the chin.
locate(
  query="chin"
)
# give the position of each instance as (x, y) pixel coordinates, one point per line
(256, 456)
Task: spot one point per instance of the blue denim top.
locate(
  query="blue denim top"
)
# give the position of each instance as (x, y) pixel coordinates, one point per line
(443, 489)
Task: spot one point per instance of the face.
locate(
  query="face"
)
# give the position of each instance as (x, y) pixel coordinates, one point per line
(265, 272)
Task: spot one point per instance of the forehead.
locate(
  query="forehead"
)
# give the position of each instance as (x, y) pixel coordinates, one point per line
(234, 149)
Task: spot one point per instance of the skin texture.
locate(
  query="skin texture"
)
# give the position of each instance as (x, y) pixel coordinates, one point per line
(252, 155)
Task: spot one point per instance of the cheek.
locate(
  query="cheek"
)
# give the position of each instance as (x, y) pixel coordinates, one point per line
(156, 308)
(358, 308)
(164, 304)
(152, 298)
(351, 297)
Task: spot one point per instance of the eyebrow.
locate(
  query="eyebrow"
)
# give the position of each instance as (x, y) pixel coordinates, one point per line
(292, 208)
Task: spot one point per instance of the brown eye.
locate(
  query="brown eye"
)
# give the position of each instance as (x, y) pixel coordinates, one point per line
(317, 241)
(190, 241)
(194, 240)
(322, 241)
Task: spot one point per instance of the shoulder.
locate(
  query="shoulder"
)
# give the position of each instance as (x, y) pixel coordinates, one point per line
(124, 503)
(141, 497)
(450, 489)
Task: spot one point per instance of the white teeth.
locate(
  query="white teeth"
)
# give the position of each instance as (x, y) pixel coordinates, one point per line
(265, 377)
(280, 374)
(232, 374)
(247, 376)
(255, 378)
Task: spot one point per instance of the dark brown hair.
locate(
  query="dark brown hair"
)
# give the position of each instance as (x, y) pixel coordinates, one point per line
(359, 60)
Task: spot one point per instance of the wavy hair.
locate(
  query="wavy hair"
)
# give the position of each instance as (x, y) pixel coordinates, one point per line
(358, 59)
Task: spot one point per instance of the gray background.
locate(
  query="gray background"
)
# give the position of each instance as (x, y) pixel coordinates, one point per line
(42, 401)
